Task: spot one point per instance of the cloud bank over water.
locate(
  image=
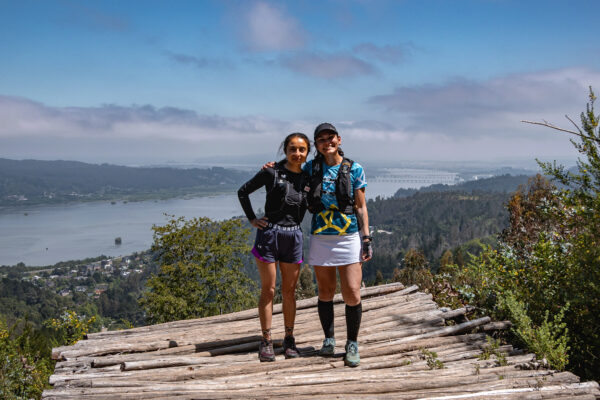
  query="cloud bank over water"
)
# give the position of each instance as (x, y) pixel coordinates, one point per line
(463, 108)
(457, 120)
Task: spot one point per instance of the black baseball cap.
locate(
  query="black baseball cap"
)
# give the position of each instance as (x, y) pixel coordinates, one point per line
(324, 127)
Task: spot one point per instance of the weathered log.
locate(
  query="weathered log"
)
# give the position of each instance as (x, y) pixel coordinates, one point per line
(455, 352)
(468, 391)
(252, 346)
(331, 390)
(456, 313)
(497, 326)
(449, 330)
(196, 360)
(246, 314)
(216, 358)
(115, 346)
(183, 340)
(345, 383)
(118, 359)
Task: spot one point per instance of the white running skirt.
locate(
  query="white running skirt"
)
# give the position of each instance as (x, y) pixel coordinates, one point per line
(334, 250)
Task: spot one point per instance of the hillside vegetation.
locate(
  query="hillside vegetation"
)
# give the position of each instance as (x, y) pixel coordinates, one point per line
(505, 183)
(433, 222)
(28, 182)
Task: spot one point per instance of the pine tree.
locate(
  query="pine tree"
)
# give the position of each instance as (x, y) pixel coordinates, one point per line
(378, 278)
(446, 259)
(200, 270)
(306, 285)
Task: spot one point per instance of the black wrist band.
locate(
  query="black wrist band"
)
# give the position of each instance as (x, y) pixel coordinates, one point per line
(368, 237)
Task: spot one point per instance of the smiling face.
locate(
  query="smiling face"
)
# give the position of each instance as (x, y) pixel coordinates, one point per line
(296, 151)
(327, 143)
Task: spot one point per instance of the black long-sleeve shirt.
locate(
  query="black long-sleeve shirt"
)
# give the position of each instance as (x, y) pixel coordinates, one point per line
(285, 204)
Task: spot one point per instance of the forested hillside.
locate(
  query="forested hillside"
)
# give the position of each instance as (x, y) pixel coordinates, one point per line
(431, 222)
(35, 182)
(501, 183)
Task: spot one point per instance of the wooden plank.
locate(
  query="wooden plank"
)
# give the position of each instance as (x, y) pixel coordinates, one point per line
(216, 358)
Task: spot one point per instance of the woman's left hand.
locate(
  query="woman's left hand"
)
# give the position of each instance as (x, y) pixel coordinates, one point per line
(367, 250)
(260, 223)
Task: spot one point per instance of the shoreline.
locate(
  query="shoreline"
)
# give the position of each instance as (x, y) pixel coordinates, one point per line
(13, 209)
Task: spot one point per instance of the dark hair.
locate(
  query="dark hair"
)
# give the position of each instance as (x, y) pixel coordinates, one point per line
(286, 141)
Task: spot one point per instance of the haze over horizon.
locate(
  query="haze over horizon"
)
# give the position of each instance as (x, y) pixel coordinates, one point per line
(142, 83)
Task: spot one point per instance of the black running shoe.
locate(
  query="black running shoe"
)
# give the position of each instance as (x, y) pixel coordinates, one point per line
(289, 347)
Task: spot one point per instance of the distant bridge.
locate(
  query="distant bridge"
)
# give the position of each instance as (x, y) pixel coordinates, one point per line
(422, 178)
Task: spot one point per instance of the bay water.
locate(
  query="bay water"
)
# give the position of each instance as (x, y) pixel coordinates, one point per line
(45, 235)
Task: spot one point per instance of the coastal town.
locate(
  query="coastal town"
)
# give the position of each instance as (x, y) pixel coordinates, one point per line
(89, 279)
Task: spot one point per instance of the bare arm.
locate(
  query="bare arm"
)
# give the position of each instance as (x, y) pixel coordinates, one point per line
(360, 206)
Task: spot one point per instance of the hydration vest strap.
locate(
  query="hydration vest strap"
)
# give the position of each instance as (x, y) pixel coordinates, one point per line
(343, 187)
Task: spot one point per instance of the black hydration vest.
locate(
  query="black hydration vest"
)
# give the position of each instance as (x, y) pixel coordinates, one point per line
(292, 200)
(343, 188)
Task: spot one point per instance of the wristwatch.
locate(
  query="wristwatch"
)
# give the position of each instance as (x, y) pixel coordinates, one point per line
(367, 237)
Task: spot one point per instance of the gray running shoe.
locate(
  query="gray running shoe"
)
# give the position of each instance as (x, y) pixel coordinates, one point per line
(265, 351)
(352, 358)
(328, 349)
(289, 347)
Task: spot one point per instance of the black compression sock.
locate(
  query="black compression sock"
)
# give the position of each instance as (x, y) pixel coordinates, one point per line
(326, 316)
(353, 317)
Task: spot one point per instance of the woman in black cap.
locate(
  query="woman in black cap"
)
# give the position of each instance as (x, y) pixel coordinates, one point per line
(279, 238)
(340, 239)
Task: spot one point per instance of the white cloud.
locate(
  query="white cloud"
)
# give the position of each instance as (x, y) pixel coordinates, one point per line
(390, 54)
(464, 108)
(327, 66)
(199, 62)
(32, 129)
(22, 117)
(269, 28)
(460, 120)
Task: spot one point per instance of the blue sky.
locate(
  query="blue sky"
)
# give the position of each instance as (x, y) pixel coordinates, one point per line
(148, 81)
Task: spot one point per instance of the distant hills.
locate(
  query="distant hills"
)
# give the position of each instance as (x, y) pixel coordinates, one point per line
(32, 182)
(502, 184)
(42, 182)
(436, 218)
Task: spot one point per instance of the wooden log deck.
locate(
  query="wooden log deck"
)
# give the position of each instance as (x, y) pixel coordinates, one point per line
(216, 358)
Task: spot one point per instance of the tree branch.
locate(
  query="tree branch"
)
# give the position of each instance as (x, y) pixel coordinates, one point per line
(574, 124)
(548, 125)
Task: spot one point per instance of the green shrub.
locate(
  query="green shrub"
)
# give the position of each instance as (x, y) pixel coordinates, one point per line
(200, 270)
(431, 358)
(548, 340)
(493, 349)
(69, 328)
(25, 364)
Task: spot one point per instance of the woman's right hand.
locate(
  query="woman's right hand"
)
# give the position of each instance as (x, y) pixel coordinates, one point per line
(270, 164)
(260, 223)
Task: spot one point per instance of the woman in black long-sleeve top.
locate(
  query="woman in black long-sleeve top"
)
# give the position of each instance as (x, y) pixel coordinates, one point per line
(279, 237)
